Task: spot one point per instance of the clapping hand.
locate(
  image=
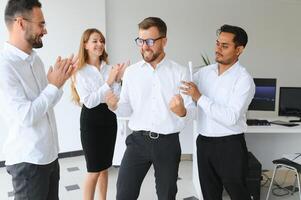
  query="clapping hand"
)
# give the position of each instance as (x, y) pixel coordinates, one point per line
(113, 74)
(121, 72)
(62, 70)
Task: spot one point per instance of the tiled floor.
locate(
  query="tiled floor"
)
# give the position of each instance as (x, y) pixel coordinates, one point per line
(72, 176)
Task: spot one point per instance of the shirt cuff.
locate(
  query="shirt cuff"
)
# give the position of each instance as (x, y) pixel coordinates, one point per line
(51, 89)
(203, 102)
(52, 92)
(105, 87)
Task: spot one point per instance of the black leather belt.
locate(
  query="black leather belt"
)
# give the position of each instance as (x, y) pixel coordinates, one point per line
(223, 138)
(152, 135)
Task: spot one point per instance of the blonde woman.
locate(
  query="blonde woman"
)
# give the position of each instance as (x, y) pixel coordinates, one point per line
(98, 125)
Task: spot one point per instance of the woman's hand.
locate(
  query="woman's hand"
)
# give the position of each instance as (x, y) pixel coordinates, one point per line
(113, 74)
(121, 72)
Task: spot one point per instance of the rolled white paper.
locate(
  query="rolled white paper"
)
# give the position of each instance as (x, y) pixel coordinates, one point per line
(190, 70)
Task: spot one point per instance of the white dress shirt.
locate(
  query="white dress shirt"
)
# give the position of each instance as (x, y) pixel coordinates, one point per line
(146, 93)
(26, 101)
(225, 100)
(91, 84)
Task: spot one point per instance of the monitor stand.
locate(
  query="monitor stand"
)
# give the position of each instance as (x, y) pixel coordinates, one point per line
(296, 120)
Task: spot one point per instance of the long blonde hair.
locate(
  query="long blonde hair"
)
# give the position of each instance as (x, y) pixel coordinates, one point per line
(83, 58)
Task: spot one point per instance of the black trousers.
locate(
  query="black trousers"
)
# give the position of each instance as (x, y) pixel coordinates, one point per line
(223, 163)
(35, 182)
(142, 151)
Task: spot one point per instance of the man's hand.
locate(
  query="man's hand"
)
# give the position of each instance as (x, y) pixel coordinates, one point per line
(62, 70)
(190, 89)
(176, 105)
(111, 100)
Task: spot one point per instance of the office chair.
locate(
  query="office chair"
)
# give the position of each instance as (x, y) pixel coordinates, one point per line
(290, 165)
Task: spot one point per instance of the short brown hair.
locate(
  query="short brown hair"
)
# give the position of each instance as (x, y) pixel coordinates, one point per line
(19, 7)
(156, 22)
(240, 35)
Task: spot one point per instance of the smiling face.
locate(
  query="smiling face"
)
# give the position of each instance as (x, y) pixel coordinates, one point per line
(152, 53)
(226, 52)
(95, 45)
(35, 28)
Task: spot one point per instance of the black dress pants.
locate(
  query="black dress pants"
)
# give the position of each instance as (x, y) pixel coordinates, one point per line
(142, 151)
(35, 182)
(223, 163)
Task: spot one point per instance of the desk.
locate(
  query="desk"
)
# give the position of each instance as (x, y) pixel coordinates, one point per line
(268, 143)
(273, 129)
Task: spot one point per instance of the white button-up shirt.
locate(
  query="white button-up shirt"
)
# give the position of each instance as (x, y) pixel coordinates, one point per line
(26, 101)
(225, 100)
(146, 93)
(91, 84)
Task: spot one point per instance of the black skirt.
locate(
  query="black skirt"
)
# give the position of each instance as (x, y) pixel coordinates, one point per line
(98, 127)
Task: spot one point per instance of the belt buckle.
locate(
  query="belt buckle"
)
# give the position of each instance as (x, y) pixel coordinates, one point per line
(153, 137)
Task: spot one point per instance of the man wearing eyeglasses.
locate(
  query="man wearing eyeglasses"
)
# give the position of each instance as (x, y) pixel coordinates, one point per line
(27, 99)
(150, 96)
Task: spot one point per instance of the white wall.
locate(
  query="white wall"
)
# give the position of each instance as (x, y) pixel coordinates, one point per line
(272, 25)
(66, 20)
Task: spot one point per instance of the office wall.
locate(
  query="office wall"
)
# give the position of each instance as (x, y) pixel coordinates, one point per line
(66, 20)
(272, 25)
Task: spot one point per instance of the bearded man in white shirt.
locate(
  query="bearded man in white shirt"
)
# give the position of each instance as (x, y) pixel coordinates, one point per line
(223, 92)
(150, 96)
(27, 101)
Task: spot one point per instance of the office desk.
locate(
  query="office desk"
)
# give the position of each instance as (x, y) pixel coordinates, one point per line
(271, 142)
(273, 129)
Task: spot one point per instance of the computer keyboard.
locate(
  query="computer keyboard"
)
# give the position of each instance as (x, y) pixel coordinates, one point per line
(258, 122)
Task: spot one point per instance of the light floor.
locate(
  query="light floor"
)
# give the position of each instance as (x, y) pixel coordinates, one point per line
(73, 173)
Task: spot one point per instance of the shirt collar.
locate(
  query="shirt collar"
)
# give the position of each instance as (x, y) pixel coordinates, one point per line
(162, 62)
(18, 52)
(232, 68)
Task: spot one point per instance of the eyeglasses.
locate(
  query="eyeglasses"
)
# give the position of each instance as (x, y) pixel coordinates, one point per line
(148, 42)
(41, 24)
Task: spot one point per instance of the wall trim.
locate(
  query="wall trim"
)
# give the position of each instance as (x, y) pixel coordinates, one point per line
(2, 163)
(71, 154)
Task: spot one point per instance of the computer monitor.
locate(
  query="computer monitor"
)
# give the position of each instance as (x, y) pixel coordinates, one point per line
(265, 94)
(290, 102)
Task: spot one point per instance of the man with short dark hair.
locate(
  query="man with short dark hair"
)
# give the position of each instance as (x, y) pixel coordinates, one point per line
(27, 100)
(223, 92)
(150, 96)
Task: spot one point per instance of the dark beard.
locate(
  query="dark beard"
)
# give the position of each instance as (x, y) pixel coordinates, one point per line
(34, 40)
(153, 58)
(226, 62)
(37, 43)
